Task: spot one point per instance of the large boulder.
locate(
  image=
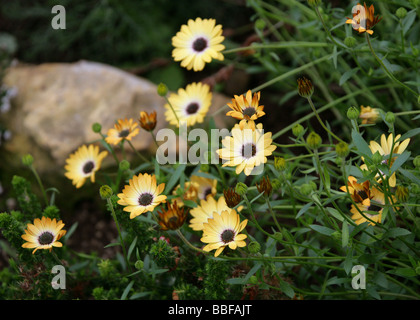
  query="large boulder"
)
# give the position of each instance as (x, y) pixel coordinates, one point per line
(57, 103)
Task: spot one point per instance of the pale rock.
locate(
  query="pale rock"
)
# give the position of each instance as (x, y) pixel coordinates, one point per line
(57, 103)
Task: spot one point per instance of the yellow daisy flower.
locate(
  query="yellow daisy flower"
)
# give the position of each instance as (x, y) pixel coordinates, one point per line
(363, 19)
(142, 194)
(207, 208)
(375, 203)
(123, 130)
(43, 234)
(83, 164)
(205, 186)
(384, 149)
(368, 115)
(246, 107)
(247, 148)
(173, 218)
(190, 104)
(197, 43)
(359, 192)
(224, 230)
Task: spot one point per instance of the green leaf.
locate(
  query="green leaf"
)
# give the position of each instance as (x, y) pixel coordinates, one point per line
(409, 134)
(344, 234)
(347, 75)
(397, 232)
(321, 229)
(127, 290)
(361, 144)
(112, 244)
(400, 161)
(404, 272)
(335, 213)
(287, 289)
(348, 262)
(410, 176)
(131, 248)
(304, 209)
(174, 178)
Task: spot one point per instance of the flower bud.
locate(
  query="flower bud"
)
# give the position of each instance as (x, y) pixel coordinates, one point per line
(402, 193)
(353, 113)
(124, 165)
(416, 162)
(342, 149)
(390, 117)
(305, 87)
(231, 197)
(306, 189)
(96, 127)
(260, 24)
(313, 140)
(254, 247)
(278, 236)
(105, 192)
(314, 3)
(279, 163)
(241, 188)
(162, 89)
(139, 265)
(401, 12)
(204, 167)
(276, 184)
(350, 42)
(27, 160)
(297, 130)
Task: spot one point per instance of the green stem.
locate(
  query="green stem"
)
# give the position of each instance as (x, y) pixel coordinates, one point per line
(38, 179)
(114, 216)
(388, 73)
(179, 233)
(278, 45)
(320, 120)
(173, 110)
(137, 153)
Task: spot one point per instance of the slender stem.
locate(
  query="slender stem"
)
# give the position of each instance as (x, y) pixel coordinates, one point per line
(267, 200)
(114, 216)
(388, 73)
(38, 179)
(278, 45)
(137, 153)
(173, 110)
(110, 148)
(320, 120)
(179, 233)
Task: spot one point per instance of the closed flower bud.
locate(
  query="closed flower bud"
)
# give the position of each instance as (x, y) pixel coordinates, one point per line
(416, 162)
(254, 247)
(305, 87)
(148, 120)
(96, 127)
(204, 167)
(278, 236)
(298, 130)
(105, 192)
(342, 149)
(279, 163)
(390, 117)
(276, 184)
(27, 160)
(401, 13)
(265, 186)
(124, 165)
(350, 42)
(139, 265)
(313, 140)
(402, 193)
(173, 218)
(306, 189)
(353, 113)
(231, 197)
(162, 89)
(260, 24)
(314, 3)
(241, 188)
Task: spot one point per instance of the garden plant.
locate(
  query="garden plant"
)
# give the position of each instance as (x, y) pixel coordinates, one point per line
(326, 207)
